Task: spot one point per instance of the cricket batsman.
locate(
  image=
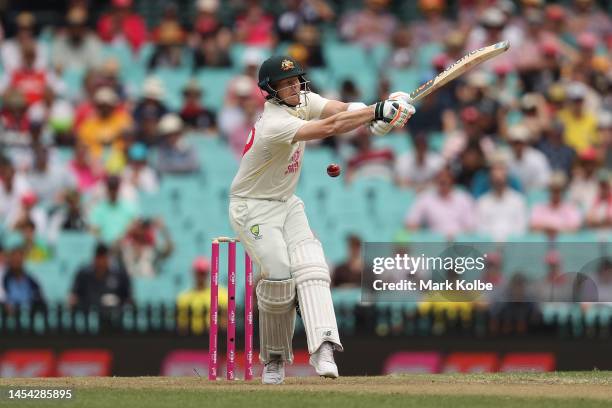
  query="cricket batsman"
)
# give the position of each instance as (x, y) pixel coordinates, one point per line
(270, 219)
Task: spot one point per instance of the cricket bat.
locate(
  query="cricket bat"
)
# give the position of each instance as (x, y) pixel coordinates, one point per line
(459, 67)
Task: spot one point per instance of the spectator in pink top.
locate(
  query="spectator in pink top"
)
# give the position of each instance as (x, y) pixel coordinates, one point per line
(255, 27)
(85, 169)
(557, 215)
(372, 26)
(445, 210)
(123, 24)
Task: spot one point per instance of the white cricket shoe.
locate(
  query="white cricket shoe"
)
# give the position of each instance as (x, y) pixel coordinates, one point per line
(273, 372)
(323, 361)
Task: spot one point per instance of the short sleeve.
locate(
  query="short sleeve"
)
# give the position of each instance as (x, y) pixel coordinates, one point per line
(316, 103)
(281, 130)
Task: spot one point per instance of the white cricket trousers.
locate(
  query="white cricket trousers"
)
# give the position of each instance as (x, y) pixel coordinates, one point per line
(269, 230)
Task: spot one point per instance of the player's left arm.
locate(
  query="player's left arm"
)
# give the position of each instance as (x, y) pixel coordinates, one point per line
(379, 128)
(332, 107)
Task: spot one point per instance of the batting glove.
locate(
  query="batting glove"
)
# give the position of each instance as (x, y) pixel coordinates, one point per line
(394, 112)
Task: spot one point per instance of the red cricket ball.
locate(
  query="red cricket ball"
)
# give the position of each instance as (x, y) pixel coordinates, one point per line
(333, 170)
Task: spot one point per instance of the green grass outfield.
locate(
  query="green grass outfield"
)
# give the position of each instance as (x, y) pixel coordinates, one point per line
(523, 390)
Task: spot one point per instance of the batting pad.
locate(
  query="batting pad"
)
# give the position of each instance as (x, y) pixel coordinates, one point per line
(276, 303)
(311, 274)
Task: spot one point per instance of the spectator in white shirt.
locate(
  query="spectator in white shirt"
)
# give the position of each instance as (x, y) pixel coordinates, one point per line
(527, 163)
(583, 188)
(137, 172)
(445, 210)
(77, 48)
(502, 212)
(48, 179)
(417, 168)
(11, 51)
(13, 185)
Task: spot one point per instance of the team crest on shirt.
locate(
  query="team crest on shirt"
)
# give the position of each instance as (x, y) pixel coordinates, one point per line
(255, 231)
(286, 65)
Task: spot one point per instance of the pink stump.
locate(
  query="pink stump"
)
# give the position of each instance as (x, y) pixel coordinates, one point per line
(231, 310)
(248, 318)
(214, 314)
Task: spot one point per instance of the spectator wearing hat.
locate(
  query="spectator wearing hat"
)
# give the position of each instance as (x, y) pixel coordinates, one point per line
(492, 28)
(580, 123)
(599, 213)
(557, 215)
(193, 113)
(584, 185)
(102, 284)
(137, 172)
(434, 27)
(528, 164)
(560, 156)
(20, 288)
(502, 212)
(110, 217)
(237, 117)
(169, 40)
(76, 48)
(121, 24)
(175, 155)
(194, 304)
(107, 124)
(535, 115)
(418, 167)
(370, 26)
(206, 21)
(444, 209)
(141, 250)
(152, 100)
(11, 51)
(149, 109)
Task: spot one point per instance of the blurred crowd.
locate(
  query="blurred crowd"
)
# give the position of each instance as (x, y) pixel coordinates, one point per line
(520, 145)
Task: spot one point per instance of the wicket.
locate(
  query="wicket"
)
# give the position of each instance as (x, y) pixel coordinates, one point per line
(231, 311)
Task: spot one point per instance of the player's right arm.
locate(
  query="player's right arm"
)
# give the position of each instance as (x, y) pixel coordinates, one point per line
(395, 112)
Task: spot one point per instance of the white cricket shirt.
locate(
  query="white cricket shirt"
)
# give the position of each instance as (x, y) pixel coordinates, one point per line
(271, 163)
